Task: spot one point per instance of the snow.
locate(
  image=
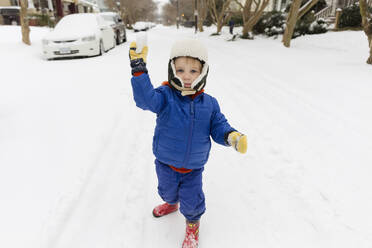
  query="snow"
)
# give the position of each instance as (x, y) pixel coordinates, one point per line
(141, 41)
(67, 28)
(76, 167)
(10, 7)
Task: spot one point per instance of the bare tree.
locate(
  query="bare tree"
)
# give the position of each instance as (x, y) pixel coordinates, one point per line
(24, 22)
(367, 26)
(295, 14)
(169, 13)
(143, 10)
(133, 11)
(252, 10)
(112, 5)
(202, 13)
(219, 14)
(185, 10)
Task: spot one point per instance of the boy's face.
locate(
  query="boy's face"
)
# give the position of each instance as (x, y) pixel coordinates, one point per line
(188, 69)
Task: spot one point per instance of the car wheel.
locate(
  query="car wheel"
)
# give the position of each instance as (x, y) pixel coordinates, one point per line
(118, 38)
(101, 48)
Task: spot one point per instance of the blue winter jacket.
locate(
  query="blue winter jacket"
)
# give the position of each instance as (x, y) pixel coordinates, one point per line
(183, 125)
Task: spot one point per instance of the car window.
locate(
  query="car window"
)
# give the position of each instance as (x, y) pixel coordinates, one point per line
(108, 18)
(101, 21)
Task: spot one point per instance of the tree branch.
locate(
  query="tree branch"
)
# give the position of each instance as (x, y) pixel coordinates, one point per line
(239, 3)
(304, 9)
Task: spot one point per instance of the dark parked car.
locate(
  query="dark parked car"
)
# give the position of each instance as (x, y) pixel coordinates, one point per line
(117, 24)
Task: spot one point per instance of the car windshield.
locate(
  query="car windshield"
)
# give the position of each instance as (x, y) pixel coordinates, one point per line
(108, 18)
(140, 25)
(77, 22)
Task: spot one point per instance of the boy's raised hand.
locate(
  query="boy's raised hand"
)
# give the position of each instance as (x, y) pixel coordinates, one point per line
(138, 54)
(238, 141)
(139, 49)
(135, 53)
(137, 60)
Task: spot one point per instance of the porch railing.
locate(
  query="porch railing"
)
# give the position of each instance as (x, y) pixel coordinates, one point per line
(325, 13)
(330, 11)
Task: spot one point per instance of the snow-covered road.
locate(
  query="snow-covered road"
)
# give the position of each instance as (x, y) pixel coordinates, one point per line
(76, 167)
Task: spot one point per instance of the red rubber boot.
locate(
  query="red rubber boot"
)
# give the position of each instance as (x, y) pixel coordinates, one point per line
(192, 235)
(164, 209)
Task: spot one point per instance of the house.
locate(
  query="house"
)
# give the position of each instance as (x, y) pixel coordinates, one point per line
(54, 8)
(327, 13)
(273, 5)
(9, 15)
(4, 3)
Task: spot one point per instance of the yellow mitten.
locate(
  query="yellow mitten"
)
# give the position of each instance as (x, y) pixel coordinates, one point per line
(137, 58)
(135, 54)
(238, 141)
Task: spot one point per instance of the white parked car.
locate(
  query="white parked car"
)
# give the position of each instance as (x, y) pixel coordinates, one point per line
(141, 26)
(79, 35)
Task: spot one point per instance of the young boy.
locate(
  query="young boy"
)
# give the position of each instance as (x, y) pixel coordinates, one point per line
(186, 118)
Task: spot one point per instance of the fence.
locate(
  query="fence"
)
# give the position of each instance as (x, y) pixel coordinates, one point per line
(330, 11)
(325, 13)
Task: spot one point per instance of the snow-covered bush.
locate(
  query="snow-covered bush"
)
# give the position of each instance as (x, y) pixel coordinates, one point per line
(350, 16)
(272, 23)
(309, 25)
(319, 26)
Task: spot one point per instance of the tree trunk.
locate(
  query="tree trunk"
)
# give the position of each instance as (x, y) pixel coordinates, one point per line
(219, 26)
(367, 26)
(200, 25)
(251, 16)
(24, 22)
(111, 5)
(291, 22)
(304, 9)
(221, 21)
(219, 17)
(369, 60)
(202, 10)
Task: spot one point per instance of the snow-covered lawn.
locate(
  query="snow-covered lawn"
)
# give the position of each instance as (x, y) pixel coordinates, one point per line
(76, 167)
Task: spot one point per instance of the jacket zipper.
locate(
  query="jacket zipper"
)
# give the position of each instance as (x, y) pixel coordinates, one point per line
(190, 134)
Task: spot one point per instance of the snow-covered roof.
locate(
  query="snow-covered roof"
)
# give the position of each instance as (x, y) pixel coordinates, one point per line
(108, 13)
(86, 2)
(10, 7)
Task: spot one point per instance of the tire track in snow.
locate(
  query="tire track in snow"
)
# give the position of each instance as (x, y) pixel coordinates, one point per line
(292, 112)
(103, 209)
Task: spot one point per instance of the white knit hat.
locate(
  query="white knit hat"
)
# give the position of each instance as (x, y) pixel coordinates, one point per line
(188, 48)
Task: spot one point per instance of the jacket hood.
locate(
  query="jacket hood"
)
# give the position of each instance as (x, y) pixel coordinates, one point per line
(188, 48)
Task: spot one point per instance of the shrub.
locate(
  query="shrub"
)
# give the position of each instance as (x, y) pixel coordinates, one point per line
(42, 19)
(271, 23)
(319, 26)
(350, 16)
(237, 18)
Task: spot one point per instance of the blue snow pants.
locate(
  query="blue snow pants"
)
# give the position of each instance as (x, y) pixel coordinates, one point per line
(185, 188)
